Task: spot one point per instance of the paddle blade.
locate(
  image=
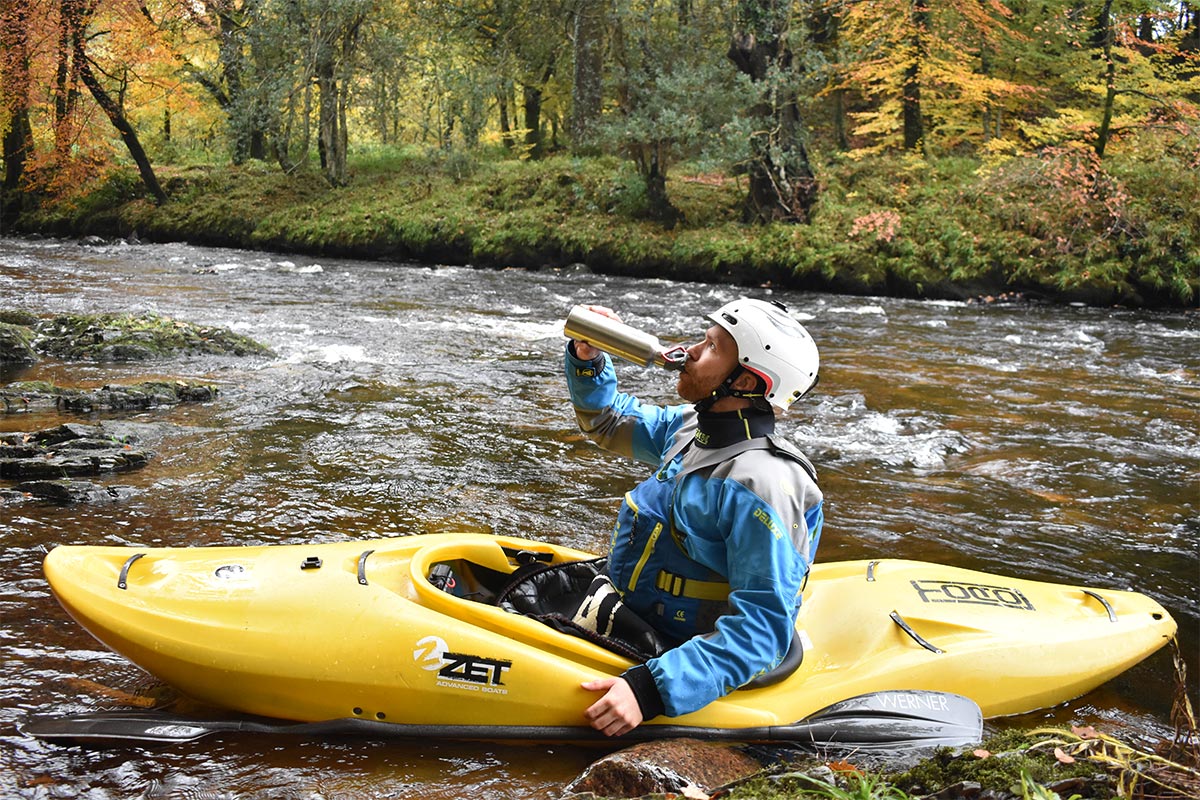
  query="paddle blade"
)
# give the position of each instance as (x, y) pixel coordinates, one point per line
(891, 720)
(120, 726)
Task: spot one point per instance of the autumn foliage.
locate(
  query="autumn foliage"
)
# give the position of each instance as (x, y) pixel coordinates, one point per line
(1082, 118)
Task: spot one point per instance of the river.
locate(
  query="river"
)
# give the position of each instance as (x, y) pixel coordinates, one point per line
(1057, 443)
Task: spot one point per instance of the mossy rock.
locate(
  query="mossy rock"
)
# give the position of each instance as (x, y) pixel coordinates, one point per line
(31, 395)
(128, 337)
(16, 345)
(12, 316)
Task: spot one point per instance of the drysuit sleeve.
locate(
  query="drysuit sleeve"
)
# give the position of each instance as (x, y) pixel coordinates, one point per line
(616, 421)
(766, 553)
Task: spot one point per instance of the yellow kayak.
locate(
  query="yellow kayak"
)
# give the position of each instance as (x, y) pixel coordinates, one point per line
(357, 630)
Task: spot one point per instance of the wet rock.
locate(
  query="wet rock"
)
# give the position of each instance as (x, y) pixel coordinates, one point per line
(39, 395)
(114, 337)
(16, 345)
(67, 492)
(67, 451)
(670, 765)
(126, 337)
(13, 316)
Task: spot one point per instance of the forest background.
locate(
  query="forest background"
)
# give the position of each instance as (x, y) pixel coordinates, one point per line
(926, 148)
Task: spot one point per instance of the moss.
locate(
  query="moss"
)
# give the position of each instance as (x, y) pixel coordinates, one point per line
(16, 344)
(11, 316)
(127, 337)
(1008, 758)
(889, 225)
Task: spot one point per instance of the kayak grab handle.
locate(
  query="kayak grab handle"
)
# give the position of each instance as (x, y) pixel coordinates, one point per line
(362, 567)
(916, 637)
(121, 582)
(1112, 615)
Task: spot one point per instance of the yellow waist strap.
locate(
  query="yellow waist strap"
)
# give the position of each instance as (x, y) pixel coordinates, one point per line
(680, 586)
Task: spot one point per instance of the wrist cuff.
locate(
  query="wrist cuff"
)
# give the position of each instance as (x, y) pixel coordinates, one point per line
(645, 690)
(597, 362)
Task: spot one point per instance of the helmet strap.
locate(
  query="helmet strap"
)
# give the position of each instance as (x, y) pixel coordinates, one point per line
(726, 389)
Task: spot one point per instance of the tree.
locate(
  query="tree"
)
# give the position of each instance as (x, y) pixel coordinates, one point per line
(14, 93)
(587, 94)
(914, 126)
(824, 34)
(929, 71)
(512, 42)
(675, 94)
(75, 15)
(783, 186)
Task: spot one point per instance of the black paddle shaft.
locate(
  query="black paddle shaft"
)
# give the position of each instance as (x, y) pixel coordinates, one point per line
(888, 720)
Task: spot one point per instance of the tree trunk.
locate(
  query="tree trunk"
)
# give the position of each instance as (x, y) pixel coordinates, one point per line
(589, 71)
(14, 86)
(333, 161)
(782, 184)
(237, 105)
(65, 93)
(506, 134)
(914, 125)
(532, 97)
(658, 205)
(825, 28)
(1104, 34)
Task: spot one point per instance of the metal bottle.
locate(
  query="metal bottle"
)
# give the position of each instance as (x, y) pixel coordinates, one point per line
(621, 340)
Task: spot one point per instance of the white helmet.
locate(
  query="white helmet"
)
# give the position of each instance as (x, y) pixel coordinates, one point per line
(772, 345)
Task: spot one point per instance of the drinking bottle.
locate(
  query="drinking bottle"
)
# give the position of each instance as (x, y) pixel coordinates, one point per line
(621, 340)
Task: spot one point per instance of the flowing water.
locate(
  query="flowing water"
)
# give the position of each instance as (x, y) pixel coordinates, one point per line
(1054, 443)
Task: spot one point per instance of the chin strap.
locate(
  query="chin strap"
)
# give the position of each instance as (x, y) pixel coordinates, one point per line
(726, 390)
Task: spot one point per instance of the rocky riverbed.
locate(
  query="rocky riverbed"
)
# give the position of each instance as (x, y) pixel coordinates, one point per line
(51, 464)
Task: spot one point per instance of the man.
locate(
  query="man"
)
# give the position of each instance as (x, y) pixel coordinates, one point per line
(713, 548)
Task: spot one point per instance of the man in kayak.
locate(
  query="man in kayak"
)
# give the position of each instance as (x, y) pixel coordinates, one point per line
(713, 548)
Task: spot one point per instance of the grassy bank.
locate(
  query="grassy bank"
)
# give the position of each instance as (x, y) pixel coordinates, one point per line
(1059, 225)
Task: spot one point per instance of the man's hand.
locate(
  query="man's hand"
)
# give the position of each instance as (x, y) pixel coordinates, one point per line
(583, 350)
(615, 713)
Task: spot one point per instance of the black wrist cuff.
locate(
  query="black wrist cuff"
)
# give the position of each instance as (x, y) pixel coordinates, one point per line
(597, 362)
(645, 690)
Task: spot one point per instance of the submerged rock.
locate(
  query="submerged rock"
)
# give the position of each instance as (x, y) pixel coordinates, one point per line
(39, 395)
(67, 451)
(66, 492)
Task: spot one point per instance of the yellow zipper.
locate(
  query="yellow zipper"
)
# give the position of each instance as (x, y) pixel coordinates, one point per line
(637, 571)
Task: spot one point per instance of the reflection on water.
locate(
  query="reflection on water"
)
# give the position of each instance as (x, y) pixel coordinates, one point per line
(1052, 443)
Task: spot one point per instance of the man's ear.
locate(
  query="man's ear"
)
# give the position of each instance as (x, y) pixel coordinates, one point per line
(745, 382)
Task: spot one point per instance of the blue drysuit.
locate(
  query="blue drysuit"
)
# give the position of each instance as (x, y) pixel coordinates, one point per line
(713, 548)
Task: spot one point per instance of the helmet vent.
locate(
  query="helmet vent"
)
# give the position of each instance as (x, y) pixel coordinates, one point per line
(730, 318)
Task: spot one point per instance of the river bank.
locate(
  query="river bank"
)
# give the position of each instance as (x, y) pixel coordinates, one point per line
(1057, 226)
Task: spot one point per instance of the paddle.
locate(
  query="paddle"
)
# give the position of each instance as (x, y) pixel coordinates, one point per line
(889, 720)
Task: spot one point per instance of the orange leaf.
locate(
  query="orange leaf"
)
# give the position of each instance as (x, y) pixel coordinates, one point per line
(981, 753)
(1085, 732)
(1063, 757)
(842, 766)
